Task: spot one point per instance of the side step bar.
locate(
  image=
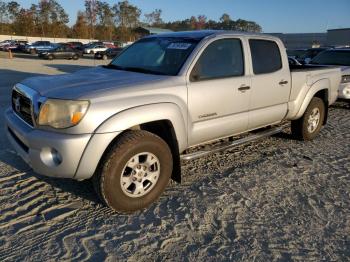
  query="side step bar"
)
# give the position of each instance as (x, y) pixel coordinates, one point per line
(238, 142)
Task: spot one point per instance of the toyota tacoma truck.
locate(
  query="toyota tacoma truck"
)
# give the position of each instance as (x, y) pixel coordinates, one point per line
(129, 124)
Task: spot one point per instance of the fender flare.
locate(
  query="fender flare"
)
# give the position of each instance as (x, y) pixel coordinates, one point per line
(322, 84)
(124, 120)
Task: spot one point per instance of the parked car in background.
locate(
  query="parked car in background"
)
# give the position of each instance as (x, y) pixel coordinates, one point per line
(311, 53)
(128, 124)
(5, 42)
(294, 62)
(110, 53)
(39, 46)
(337, 57)
(304, 56)
(94, 48)
(75, 45)
(61, 52)
(296, 53)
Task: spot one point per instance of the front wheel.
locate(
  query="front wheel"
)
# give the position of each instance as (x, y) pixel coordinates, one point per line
(135, 172)
(310, 124)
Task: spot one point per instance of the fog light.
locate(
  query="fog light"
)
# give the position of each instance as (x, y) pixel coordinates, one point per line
(50, 157)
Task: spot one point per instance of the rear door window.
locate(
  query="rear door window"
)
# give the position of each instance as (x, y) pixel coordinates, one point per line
(266, 56)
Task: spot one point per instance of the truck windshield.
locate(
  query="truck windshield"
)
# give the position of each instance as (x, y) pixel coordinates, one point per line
(332, 57)
(155, 55)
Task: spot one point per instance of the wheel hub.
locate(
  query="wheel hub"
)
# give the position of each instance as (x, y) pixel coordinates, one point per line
(314, 120)
(140, 174)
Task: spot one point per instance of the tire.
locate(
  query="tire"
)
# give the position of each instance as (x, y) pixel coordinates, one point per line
(75, 57)
(104, 57)
(92, 52)
(50, 57)
(33, 51)
(133, 148)
(302, 129)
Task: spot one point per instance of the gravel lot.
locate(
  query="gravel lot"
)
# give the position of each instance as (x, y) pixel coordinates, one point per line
(274, 200)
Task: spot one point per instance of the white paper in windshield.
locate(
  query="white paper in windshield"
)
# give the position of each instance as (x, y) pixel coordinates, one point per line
(181, 46)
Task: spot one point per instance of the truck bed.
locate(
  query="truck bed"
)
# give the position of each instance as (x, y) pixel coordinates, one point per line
(298, 68)
(304, 77)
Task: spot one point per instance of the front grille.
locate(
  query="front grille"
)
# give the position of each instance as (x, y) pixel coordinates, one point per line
(22, 105)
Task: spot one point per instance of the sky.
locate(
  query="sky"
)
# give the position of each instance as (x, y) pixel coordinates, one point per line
(275, 16)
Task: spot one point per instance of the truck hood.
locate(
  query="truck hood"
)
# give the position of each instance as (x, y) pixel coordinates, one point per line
(87, 82)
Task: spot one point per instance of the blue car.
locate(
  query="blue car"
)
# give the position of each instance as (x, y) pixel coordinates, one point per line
(39, 46)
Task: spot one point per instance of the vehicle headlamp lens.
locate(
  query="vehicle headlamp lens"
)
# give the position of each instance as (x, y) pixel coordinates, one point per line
(62, 113)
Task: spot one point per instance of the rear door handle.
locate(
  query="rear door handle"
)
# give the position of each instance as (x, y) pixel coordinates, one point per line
(283, 82)
(243, 88)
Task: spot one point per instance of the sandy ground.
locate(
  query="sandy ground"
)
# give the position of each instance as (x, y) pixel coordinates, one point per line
(274, 200)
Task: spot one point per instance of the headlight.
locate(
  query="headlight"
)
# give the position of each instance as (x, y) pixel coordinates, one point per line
(345, 79)
(62, 113)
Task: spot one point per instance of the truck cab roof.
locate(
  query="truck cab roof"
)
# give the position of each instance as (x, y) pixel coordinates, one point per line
(200, 34)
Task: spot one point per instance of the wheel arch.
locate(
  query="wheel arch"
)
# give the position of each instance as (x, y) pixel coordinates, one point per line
(319, 89)
(164, 120)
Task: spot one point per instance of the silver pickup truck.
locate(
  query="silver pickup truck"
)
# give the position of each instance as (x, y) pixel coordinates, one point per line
(127, 125)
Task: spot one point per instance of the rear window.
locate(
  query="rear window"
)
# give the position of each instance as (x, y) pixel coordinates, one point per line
(266, 56)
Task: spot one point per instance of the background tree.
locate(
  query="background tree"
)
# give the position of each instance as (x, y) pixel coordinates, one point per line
(105, 15)
(3, 17)
(127, 18)
(201, 22)
(81, 27)
(154, 18)
(13, 9)
(225, 18)
(24, 23)
(101, 20)
(91, 13)
(58, 19)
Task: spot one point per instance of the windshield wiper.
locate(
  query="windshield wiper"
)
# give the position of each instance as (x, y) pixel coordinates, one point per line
(142, 70)
(111, 66)
(133, 69)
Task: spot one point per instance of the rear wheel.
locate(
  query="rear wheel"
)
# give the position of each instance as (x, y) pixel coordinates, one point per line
(104, 57)
(50, 57)
(310, 124)
(135, 172)
(75, 57)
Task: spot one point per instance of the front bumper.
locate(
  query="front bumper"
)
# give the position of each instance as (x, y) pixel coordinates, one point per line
(344, 91)
(48, 153)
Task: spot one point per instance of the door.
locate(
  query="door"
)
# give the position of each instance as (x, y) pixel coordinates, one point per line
(218, 92)
(270, 84)
(68, 52)
(59, 52)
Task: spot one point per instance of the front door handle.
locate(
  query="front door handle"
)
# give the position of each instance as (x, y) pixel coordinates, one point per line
(243, 88)
(283, 82)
